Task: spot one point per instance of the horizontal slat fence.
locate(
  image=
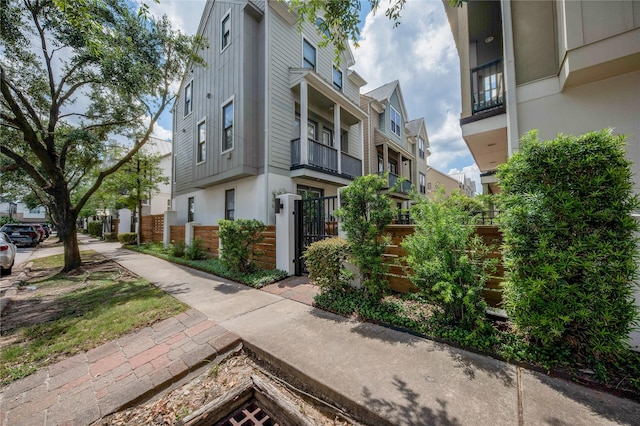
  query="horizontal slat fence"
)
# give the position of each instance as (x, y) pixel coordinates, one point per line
(398, 270)
(176, 234)
(152, 228)
(266, 258)
(209, 237)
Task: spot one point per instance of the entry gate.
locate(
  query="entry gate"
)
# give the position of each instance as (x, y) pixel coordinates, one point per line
(314, 221)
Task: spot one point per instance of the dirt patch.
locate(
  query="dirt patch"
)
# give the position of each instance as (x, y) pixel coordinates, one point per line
(37, 302)
(170, 408)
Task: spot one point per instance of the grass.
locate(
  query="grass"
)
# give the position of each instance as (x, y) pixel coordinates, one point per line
(99, 307)
(214, 266)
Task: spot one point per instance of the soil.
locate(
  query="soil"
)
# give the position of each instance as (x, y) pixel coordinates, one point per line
(170, 408)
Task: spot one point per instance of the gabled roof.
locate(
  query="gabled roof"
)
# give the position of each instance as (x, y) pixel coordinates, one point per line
(383, 93)
(413, 126)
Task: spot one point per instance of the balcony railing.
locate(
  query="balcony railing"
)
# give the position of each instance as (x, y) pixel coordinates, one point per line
(405, 185)
(351, 166)
(318, 155)
(487, 86)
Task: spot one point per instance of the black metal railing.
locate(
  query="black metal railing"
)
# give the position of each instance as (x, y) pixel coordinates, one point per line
(487, 86)
(319, 155)
(351, 166)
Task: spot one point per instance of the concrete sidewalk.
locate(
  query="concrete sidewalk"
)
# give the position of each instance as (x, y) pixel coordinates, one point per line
(378, 374)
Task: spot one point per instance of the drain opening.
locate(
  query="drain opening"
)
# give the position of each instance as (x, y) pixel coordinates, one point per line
(251, 414)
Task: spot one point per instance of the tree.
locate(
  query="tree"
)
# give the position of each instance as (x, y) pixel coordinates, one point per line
(341, 18)
(72, 75)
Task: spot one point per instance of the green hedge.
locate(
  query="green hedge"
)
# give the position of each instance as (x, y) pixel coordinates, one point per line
(239, 240)
(325, 262)
(95, 229)
(127, 238)
(570, 245)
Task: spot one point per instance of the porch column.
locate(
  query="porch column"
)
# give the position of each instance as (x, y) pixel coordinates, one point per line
(304, 122)
(361, 146)
(336, 134)
(385, 158)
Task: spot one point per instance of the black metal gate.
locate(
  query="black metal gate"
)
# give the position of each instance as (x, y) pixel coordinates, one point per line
(314, 221)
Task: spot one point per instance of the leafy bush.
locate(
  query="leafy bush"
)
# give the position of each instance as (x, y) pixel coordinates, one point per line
(196, 250)
(570, 248)
(365, 212)
(177, 248)
(448, 262)
(95, 229)
(239, 240)
(324, 260)
(127, 238)
(110, 236)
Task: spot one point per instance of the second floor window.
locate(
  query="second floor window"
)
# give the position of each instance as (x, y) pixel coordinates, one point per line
(226, 31)
(337, 78)
(421, 147)
(308, 55)
(227, 127)
(188, 105)
(393, 167)
(396, 120)
(423, 184)
(202, 141)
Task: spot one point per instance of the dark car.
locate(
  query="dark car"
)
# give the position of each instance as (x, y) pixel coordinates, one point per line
(21, 234)
(47, 230)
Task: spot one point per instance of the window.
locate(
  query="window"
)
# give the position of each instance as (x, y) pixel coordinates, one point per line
(308, 55)
(327, 137)
(191, 209)
(322, 27)
(393, 167)
(227, 127)
(423, 185)
(395, 121)
(429, 186)
(421, 147)
(307, 192)
(229, 204)
(188, 105)
(380, 164)
(202, 139)
(344, 142)
(337, 78)
(226, 31)
(311, 130)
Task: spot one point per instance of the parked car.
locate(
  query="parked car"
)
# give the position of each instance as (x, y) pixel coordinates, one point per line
(47, 230)
(40, 230)
(22, 234)
(7, 254)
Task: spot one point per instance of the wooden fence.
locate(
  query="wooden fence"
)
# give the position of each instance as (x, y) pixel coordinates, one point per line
(398, 270)
(152, 228)
(266, 258)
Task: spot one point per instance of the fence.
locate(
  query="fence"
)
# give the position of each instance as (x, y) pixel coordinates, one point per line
(266, 258)
(398, 270)
(152, 228)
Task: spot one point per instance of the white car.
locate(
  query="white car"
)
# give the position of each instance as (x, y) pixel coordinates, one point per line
(7, 254)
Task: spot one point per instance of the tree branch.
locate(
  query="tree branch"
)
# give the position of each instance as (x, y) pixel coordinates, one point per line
(24, 164)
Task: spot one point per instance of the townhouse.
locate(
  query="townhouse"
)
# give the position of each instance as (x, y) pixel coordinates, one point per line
(271, 113)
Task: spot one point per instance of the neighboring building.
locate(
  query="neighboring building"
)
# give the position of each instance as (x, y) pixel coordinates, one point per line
(436, 179)
(19, 212)
(467, 186)
(557, 66)
(160, 201)
(394, 145)
(238, 138)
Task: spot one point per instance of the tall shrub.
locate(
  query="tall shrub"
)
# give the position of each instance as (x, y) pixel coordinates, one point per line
(239, 240)
(570, 248)
(365, 212)
(448, 262)
(325, 260)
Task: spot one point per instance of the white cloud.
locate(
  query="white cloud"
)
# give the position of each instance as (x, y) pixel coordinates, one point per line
(421, 54)
(162, 133)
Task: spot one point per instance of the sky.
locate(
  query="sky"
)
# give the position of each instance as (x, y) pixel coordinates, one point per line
(420, 53)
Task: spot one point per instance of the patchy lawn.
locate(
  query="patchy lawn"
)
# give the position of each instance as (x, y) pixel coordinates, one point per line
(57, 315)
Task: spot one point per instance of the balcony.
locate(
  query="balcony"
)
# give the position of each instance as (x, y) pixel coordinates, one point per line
(324, 158)
(405, 185)
(487, 87)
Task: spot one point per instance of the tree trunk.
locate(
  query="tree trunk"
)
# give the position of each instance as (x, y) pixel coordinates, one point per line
(67, 229)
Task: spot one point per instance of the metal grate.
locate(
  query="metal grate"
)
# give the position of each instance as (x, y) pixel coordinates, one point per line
(249, 414)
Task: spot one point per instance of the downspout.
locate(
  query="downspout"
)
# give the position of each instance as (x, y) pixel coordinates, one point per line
(267, 85)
